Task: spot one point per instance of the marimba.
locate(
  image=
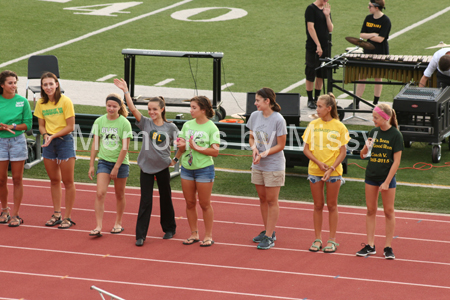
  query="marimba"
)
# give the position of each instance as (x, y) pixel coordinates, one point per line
(402, 68)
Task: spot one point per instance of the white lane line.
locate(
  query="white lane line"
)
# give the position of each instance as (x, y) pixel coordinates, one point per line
(164, 82)
(151, 285)
(197, 264)
(226, 86)
(444, 241)
(104, 78)
(363, 213)
(419, 23)
(293, 86)
(88, 35)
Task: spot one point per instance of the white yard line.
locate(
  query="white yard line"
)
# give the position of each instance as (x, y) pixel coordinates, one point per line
(419, 23)
(164, 82)
(293, 86)
(104, 78)
(88, 35)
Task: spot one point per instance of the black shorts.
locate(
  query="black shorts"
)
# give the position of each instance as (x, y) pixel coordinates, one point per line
(312, 62)
(442, 80)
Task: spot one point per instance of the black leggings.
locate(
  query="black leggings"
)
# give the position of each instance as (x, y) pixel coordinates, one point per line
(165, 202)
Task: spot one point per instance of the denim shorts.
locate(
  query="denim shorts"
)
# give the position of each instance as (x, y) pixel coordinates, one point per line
(206, 174)
(60, 148)
(332, 179)
(392, 185)
(107, 166)
(13, 148)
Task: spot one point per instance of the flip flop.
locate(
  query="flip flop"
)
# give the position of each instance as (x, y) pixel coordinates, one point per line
(117, 230)
(96, 233)
(203, 244)
(190, 241)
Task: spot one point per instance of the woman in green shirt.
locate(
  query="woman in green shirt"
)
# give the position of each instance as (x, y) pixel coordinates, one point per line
(15, 118)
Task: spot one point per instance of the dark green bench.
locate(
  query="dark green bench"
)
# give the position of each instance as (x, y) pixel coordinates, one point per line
(236, 136)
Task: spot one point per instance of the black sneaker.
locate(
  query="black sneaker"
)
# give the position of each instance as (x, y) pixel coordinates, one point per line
(312, 105)
(367, 250)
(388, 254)
(351, 106)
(266, 243)
(262, 234)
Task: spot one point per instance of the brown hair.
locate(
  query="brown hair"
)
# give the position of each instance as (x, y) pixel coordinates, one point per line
(58, 89)
(444, 63)
(390, 112)
(162, 104)
(268, 93)
(123, 108)
(330, 101)
(205, 104)
(380, 4)
(5, 74)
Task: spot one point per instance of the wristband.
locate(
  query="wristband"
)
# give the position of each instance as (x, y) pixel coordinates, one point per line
(44, 134)
(127, 92)
(332, 168)
(14, 126)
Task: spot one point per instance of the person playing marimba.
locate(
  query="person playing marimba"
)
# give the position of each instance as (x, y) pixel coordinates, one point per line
(441, 63)
(375, 29)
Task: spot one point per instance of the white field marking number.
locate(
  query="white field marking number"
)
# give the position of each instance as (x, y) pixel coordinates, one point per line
(108, 10)
(233, 13)
(112, 9)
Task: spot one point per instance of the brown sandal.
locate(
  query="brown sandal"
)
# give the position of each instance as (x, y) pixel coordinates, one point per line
(54, 220)
(15, 221)
(4, 216)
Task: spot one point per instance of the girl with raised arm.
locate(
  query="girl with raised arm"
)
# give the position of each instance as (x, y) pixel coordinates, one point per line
(154, 161)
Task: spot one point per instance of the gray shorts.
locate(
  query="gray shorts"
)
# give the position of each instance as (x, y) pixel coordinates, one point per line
(13, 148)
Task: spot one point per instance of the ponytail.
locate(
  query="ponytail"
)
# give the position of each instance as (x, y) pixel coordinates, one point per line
(268, 93)
(162, 105)
(393, 119)
(205, 104)
(330, 101)
(390, 112)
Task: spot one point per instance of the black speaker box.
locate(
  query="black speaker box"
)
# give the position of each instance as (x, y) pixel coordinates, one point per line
(289, 103)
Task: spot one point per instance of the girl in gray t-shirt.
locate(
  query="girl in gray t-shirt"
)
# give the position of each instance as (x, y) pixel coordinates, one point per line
(267, 140)
(154, 160)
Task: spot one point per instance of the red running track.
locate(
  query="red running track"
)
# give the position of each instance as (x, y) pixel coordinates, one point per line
(40, 262)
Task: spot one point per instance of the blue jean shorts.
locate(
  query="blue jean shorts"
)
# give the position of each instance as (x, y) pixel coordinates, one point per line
(13, 148)
(206, 174)
(107, 166)
(60, 148)
(392, 185)
(332, 179)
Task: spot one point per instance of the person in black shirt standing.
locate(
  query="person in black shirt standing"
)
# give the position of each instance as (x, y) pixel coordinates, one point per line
(318, 26)
(375, 29)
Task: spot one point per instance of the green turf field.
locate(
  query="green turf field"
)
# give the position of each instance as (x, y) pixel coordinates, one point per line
(263, 48)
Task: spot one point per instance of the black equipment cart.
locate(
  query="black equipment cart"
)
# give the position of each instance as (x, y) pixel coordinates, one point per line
(424, 116)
